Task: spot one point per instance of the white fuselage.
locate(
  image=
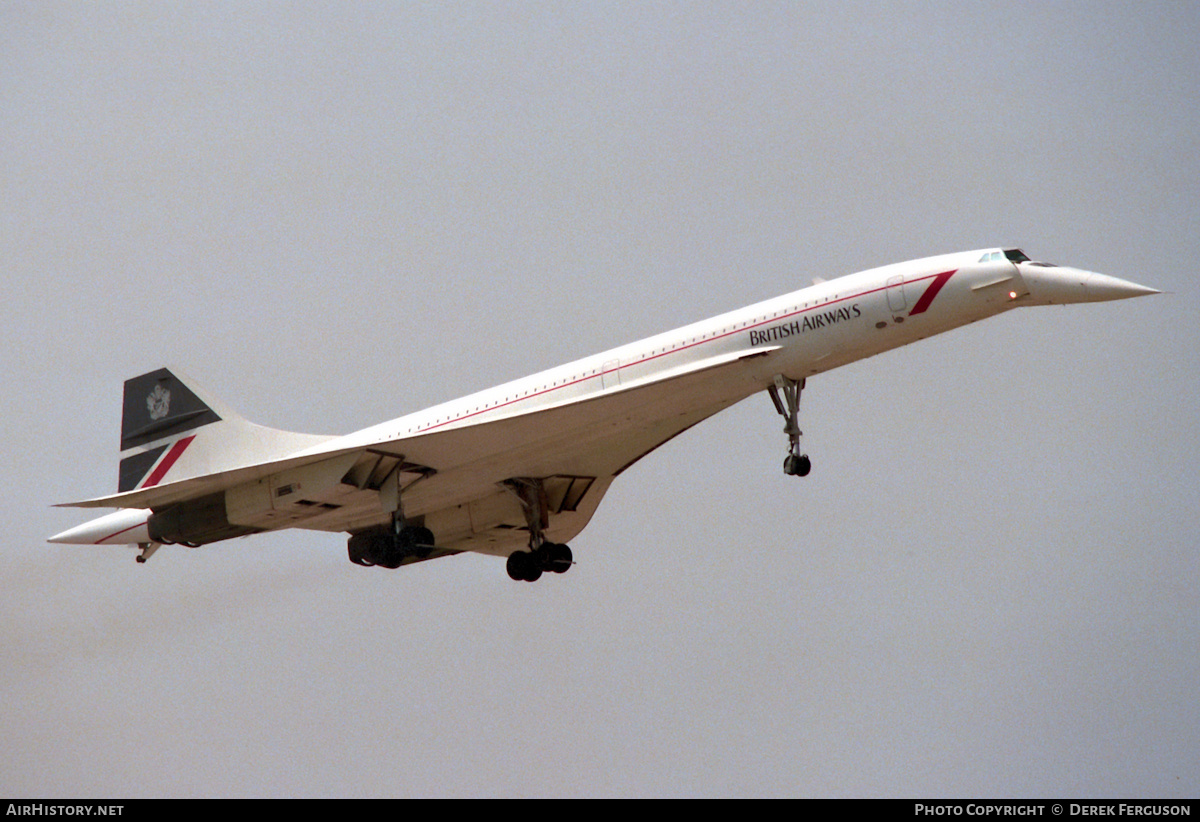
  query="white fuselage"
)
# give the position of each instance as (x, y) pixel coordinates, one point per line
(803, 333)
(704, 367)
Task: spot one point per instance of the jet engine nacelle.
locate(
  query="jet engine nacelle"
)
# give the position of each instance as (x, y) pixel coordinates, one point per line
(195, 522)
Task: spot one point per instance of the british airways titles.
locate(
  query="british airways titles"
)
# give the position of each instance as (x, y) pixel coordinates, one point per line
(810, 322)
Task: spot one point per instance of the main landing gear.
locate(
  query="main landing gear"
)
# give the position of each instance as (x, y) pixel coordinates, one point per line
(528, 566)
(795, 464)
(542, 556)
(389, 546)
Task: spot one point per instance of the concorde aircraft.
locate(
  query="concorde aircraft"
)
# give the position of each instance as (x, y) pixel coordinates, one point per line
(518, 470)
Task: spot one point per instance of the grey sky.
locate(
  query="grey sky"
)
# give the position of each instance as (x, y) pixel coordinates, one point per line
(333, 214)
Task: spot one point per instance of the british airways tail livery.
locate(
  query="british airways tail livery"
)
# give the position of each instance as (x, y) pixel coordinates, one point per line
(518, 470)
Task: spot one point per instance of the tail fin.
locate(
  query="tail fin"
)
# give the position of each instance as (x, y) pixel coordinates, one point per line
(170, 427)
(158, 405)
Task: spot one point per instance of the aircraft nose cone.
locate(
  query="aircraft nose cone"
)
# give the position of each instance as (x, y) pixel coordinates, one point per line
(1062, 285)
(1103, 287)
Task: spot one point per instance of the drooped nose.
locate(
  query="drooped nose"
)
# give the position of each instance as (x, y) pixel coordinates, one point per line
(1058, 285)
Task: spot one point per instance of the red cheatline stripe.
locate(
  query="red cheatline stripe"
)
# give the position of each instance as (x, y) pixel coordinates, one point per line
(931, 292)
(647, 358)
(167, 461)
(122, 531)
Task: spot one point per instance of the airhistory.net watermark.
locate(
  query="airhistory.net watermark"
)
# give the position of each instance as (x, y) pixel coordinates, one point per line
(46, 809)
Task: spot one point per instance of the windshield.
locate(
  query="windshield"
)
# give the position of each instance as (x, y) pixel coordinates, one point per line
(1013, 255)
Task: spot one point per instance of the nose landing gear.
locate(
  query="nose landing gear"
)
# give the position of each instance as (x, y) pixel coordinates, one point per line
(795, 464)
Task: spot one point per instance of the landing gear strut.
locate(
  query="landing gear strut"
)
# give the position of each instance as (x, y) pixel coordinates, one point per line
(795, 464)
(542, 556)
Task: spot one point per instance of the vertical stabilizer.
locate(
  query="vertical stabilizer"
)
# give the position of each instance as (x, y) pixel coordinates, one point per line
(159, 405)
(170, 430)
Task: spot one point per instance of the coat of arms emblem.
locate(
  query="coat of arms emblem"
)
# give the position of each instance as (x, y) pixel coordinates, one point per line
(159, 402)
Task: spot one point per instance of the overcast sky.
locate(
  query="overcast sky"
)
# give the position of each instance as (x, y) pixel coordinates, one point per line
(333, 214)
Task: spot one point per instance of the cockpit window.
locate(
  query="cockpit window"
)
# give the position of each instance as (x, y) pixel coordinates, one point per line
(1015, 255)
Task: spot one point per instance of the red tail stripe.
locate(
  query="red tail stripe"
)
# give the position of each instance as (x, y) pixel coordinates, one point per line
(931, 292)
(163, 467)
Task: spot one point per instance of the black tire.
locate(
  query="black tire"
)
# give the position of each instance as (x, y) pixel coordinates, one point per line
(797, 466)
(522, 567)
(560, 559)
(513, 566)
(804, 467)
(417, 541)
(360, 548)
(391, 553)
